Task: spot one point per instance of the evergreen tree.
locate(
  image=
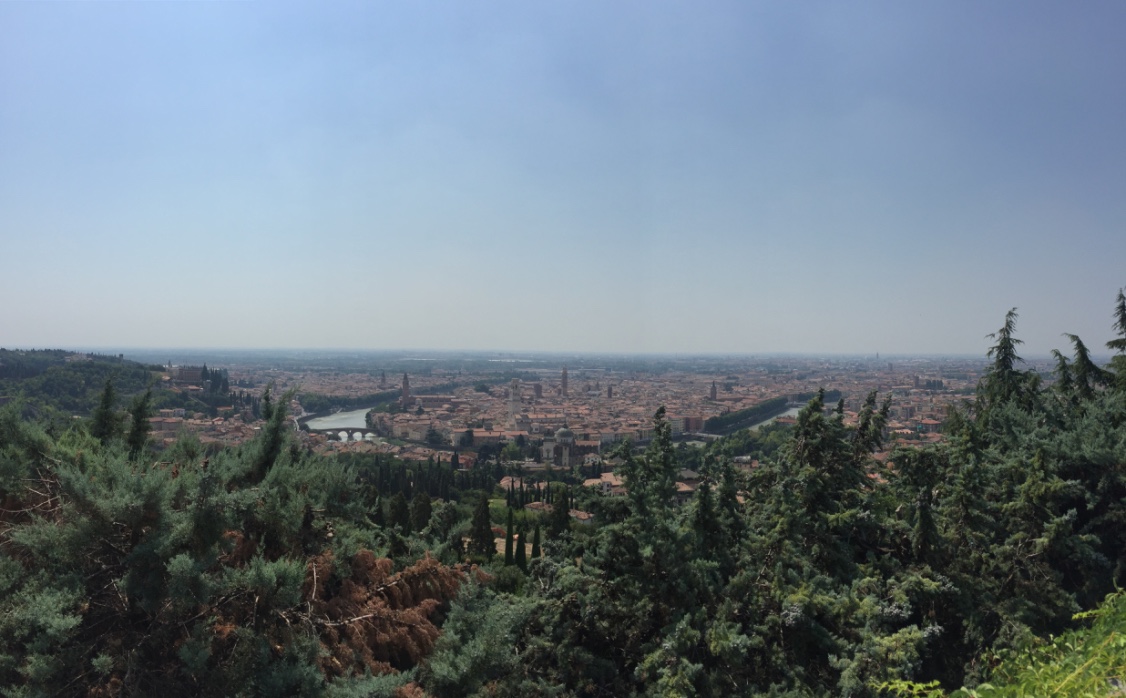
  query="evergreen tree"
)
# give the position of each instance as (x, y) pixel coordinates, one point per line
(1118, 344)
(378, 517)
(1003, 382)
(1086, 374)
(267, 405)
(1065, 383)
(105, 424)
(421, 510)
(139, 427)
(560, 520)
(481, 540)
(269, 447)
(508, 533)
(651, 480)
(536, 543)
(521, 557)
(399, 512)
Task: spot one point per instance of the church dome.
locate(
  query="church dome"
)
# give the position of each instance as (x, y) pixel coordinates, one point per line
(564, 434)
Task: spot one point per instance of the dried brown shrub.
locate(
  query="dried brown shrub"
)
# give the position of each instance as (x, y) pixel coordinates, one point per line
(376, 619)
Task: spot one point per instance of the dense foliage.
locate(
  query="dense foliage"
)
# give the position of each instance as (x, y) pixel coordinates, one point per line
(55, 384)
(823, 570)
(726, 423)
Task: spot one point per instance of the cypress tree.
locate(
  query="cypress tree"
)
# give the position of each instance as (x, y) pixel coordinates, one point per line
(508, 560)
(400, 513)
(105, 423)
(481, 530)
(536, 543)
(139, 428)
(560, 516)
(521, 554)
(267, 409)
(421, 510)
(377, 516)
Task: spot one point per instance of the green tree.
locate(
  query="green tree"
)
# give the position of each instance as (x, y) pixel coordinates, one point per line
(511, 452)
(521, 556)
(105, 424)
(1087, 376)
(481, 540)
(1002, 381)
(651, 480)
(1118, 344)
(560, 520)
(434, 437)
(508, 533)
(139, 427)
(399, 512)
(421, 510)
(536, 554)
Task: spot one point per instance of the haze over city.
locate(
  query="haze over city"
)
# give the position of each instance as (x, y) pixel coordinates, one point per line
(626, 177)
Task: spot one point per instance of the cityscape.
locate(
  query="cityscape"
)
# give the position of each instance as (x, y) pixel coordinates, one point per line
(601, 405)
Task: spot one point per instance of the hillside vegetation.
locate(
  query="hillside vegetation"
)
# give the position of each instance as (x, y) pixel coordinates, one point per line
(267, 570)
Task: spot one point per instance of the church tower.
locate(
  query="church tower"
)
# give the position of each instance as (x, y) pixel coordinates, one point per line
(513, 400)
(405, 398)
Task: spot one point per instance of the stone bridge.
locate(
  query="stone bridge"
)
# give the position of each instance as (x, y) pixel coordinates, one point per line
(346, 433)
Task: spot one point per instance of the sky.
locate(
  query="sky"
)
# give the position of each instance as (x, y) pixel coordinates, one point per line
(734, 177)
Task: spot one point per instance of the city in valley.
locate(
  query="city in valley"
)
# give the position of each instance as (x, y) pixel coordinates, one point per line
(541, 411)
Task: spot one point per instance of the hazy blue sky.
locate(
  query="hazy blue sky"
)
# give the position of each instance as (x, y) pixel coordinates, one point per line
(623, 176)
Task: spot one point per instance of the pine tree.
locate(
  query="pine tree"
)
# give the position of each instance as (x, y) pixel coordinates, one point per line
(269, 447)
(1002, 381)
(1064, 381)
(1118, 344)
(1087, 375)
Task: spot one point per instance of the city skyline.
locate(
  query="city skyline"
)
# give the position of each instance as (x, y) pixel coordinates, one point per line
(627, 179)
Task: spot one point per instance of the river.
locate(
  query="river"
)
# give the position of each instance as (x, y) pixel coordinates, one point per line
(354, 419)
(792, 412)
